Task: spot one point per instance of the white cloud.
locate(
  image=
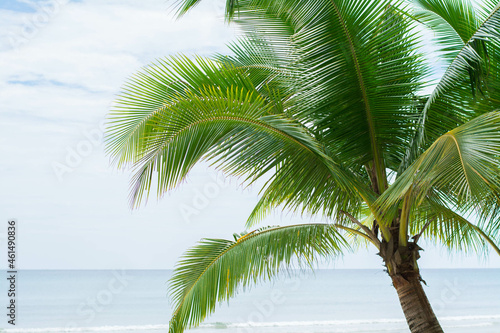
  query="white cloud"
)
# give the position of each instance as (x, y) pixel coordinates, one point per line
(59, 84)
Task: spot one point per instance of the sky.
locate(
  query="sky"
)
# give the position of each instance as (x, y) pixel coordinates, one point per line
(62, 63)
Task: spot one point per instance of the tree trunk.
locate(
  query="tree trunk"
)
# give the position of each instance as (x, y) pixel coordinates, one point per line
(416, 306)
(401, 263)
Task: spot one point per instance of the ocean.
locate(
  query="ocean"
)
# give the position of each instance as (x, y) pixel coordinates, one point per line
(135, 301)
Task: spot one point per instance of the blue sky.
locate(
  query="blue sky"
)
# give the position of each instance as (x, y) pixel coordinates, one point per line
(62, 63)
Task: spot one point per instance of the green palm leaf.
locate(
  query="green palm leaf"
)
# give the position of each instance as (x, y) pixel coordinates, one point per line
(215, 269)
(440, 224)
(472, 48)
(463, 166)
(454, 23)
(317, 43)
(323, 100)
(194, 111)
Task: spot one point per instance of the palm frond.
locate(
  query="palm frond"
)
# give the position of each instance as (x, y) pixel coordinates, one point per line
(489, 215)
(175, 113)
(374, 42)
(453, 22)
(307, 191)
(215, 269)
(269, 70)
(434, 221)
(473, 68)
(319, 43)
(463, 166)
(147, 93)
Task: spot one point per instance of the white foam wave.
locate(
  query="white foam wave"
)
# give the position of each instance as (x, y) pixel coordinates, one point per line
(332, 323)
(479, 317)
(88, 329)
(311, 323)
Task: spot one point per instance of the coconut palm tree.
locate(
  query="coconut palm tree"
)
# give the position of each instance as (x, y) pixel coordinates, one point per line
(339, 106)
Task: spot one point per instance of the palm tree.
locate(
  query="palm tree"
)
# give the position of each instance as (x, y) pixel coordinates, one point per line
(333, 103)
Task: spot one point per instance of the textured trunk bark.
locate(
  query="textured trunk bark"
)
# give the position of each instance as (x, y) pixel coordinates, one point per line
(416, 306)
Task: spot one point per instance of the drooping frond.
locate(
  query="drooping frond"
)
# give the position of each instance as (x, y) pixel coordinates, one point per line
(463, 166)
(215, 269)
(489, 215)
(149, 91)
(453, 23)
(175, 113)
(308, 191)
(470, 84)
(434, 221)
(268, 69)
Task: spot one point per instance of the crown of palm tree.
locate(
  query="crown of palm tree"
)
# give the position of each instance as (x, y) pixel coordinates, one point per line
(326, 100)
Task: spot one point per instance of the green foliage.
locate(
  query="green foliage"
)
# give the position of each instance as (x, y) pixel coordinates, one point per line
(472, 49)
(216, 269)
(462, 166)
(443, 225)
(323, 100)
(203, 109)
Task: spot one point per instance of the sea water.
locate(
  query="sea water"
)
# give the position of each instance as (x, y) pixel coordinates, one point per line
(133, 301)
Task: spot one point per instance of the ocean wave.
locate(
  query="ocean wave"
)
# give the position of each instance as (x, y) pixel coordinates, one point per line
(111, 328)
(478, 317)
(306, 323)
(224, 325)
